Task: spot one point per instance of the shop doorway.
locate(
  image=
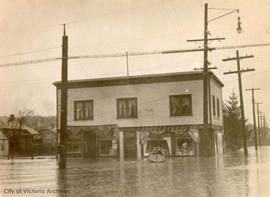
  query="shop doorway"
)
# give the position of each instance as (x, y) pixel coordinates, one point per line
(130, 147)
(90, 145)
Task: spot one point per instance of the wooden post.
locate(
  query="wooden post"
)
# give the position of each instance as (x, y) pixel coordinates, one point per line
(63, 120)
(239, 71)
(139, 150)
(121, 146)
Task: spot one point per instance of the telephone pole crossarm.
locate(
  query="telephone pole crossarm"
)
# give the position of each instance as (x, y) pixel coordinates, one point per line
(209, 39)
(235, 58)
(243, 70)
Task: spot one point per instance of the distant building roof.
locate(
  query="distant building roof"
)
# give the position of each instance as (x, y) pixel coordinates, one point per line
(9, 125)
(30, 130)
(53, 130)
(139, 79)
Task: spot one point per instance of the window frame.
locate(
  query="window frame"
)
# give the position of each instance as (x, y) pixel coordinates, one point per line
(100, 145)
(180, 95)
(218, 108)
(126, 99)
(71, 147)
(214, 105)
(83, 102)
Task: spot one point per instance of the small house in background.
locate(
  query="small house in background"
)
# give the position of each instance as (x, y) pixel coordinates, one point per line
(45, 141)
(4, 145)
(3, 139)
(19, 137)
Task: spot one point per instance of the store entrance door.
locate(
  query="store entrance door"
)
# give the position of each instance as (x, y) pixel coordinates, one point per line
(130, 147)
(90, 145)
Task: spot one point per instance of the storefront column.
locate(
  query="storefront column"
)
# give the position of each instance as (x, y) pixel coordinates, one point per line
(121, 145)
(198, 150)
(139, 150)
(82, 144)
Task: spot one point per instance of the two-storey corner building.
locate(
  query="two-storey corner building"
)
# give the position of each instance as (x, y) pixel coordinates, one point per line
(127, 116)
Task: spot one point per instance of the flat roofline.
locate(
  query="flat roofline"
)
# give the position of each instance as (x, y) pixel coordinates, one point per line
(139, 79)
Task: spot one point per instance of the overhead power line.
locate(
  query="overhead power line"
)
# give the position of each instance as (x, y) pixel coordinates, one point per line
(28, 52)
(112, 55)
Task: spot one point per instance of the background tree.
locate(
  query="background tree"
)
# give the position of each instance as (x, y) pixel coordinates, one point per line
(232, 123)
(24, 115)
(29, 118)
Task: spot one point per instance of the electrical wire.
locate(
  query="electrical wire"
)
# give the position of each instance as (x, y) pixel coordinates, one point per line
(132, 54)
(30, 52)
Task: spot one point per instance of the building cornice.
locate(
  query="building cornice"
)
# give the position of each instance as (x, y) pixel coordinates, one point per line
(138, 79)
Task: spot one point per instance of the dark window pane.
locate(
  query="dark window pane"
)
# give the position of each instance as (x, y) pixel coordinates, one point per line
(185, 147)
(180, 105)
(122, 109)
(88, 110)
(83, 110)
(186, 105)
(127, 108)
(105, 147)
(79, 111)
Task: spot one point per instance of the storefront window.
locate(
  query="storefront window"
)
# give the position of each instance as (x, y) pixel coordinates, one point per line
(74, 147)
(160, 144)
(105, 147)
(180, 105)
(185, 147)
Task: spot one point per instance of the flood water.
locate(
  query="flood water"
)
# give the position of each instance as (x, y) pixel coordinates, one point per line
(229, 175)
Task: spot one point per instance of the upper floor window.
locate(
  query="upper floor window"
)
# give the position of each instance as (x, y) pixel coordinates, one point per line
(218, 112)
(214, 104)
(127, 108)
(180, 105)
(83, 110)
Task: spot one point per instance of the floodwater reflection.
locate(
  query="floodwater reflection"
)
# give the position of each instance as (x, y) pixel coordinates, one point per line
(230, 175)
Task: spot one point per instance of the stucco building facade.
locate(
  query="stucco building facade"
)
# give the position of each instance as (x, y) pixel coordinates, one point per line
(126, 116)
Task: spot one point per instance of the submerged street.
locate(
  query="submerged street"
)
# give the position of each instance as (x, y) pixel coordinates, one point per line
(227, 176)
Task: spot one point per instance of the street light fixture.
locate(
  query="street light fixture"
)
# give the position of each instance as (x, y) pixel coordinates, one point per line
(239, 28)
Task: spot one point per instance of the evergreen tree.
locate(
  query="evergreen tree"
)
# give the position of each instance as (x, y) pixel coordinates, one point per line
(232, 123)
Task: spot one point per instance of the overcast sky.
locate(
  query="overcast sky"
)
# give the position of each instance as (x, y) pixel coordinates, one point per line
(113, 26)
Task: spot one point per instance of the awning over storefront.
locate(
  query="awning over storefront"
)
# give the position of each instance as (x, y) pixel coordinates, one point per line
(179, 130)
(102, 131)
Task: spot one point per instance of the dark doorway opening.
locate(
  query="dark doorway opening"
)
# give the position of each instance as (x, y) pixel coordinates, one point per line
(90, 146)
(130, 148)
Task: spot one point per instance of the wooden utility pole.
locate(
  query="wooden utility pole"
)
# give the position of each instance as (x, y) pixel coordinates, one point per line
(127, 64)
(262, 126)
(254, 116)
(206, 81)
(63, 120)
(259, 127)
(239, 71)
